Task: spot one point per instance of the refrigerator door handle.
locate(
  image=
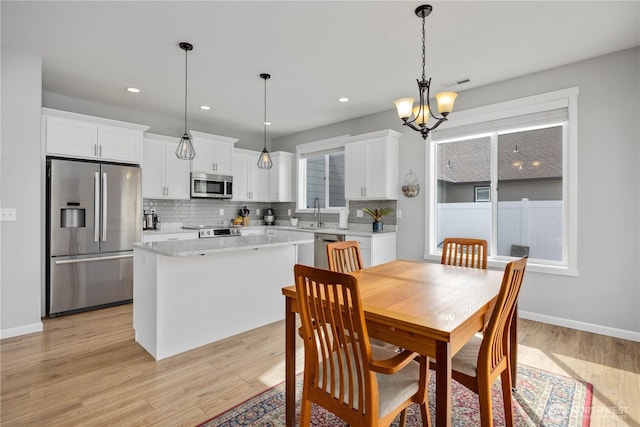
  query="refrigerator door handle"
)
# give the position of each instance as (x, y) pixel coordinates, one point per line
(102, 258)
(104, 206)
(96, 207)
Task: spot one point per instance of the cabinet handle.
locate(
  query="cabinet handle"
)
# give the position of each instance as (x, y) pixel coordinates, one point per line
(100, 150)
(95, 149)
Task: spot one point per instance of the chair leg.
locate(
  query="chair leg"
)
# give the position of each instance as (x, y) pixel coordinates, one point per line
(426, 416)
(403, 418)
(505, 377)
(486, 407)
(305, 413)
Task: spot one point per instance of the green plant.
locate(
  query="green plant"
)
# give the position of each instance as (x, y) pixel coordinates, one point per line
(377, 213)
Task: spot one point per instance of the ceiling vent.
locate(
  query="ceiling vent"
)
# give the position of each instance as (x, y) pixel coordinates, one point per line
(457, 82)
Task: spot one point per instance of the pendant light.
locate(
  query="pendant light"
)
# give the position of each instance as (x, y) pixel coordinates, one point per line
(422, 111)
(264, 162)
(185, 150)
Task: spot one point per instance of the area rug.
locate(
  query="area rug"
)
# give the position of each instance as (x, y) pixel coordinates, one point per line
(542, 399)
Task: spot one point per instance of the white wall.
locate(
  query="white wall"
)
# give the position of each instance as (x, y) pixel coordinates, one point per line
(20, 173)
(605, 298)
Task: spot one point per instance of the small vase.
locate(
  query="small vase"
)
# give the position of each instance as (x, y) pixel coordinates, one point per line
(377, 226)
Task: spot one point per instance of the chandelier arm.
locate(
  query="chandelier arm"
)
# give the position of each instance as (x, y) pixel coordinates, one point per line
(412, 126)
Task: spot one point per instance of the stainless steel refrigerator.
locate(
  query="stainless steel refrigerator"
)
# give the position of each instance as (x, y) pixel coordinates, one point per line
(93, 217)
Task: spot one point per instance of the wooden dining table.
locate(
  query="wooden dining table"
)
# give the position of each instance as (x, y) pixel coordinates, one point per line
(428, 308)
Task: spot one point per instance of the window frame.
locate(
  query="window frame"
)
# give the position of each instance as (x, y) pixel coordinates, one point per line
(313, 149)
(475, 118)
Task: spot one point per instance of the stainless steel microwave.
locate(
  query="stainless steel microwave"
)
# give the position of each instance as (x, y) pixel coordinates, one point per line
(211, 186)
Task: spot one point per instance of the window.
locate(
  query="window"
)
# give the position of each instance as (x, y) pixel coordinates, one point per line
(483, 193)
(519, 159)
(321, 174)
(323, 177)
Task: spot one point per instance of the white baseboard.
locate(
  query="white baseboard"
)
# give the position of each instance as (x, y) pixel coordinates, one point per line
(21, 330)
(581, 326)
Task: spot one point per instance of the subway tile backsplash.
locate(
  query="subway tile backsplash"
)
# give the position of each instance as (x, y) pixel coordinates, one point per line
(207, 211)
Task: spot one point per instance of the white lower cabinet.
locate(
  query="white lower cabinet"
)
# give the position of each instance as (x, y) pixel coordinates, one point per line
(376, 249)
(305, 251)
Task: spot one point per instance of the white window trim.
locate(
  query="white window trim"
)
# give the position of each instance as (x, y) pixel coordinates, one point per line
(533, 104)
(308, 149)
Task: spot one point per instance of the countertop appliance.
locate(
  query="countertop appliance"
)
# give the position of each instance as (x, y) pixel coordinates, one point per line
(94, 214)
(207, 231)
(320, 243)
(269, 217)
(211, 186)
(151, 221)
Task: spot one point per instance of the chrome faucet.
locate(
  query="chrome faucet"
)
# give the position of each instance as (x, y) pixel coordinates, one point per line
(316, 205)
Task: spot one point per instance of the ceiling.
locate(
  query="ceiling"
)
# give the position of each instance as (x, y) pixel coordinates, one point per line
(316, 52)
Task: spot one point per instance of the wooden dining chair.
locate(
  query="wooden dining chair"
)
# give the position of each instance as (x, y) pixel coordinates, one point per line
(344, 257)
(464, 252)
(362, 384)
(479, 363)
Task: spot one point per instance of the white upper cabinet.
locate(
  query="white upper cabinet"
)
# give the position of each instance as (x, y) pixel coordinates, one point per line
(371, 166)
(214, 153)
(280, 177)
(87, 137)
(250, 183)
(164, 176)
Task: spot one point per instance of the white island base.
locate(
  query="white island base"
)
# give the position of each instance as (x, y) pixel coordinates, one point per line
(184, 302)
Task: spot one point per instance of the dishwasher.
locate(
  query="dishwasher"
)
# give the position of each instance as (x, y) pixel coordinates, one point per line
(321, 241)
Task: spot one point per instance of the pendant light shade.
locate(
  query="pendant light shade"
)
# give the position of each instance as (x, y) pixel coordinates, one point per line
(264, 162)
(185, 150)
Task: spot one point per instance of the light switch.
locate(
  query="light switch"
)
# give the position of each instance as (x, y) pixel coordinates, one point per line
(359, 213)
(398, 213)
(221, 211)
(257, 211)
(8, 214)
(288, 212)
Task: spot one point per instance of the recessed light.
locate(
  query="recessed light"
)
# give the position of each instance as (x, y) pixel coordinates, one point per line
(133, 90)
(267, 123)
(343, 99)
(205, 107)
(535, 163)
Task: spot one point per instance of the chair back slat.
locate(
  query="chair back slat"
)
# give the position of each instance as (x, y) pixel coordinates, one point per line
(495, 344)
(464, 252)
(337, 349)
(344, 257)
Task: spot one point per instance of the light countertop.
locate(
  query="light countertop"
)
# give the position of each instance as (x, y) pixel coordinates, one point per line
(176, 248)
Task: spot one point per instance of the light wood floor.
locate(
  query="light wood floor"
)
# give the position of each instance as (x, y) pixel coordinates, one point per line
(87, 370)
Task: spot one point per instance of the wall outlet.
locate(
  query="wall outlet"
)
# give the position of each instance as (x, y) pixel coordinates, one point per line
(8, 214)
(221, 211)
(288, 212)
(398, 213)
(359, 213)
(257, 211)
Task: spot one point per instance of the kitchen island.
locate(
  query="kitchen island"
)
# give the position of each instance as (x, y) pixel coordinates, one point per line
(188, 293)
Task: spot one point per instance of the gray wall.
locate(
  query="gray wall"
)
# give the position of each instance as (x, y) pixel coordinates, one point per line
(605, 297)
(20, 173)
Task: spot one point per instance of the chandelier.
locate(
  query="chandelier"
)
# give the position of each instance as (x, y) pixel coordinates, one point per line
(421, 112)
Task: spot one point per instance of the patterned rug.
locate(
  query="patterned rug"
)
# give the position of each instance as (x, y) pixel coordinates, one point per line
(541, 399)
